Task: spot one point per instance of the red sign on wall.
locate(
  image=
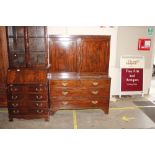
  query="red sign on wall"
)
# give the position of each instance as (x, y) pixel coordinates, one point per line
(132, 79)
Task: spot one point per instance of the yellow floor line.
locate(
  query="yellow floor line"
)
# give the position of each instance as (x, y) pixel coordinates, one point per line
(127, 108)
(74, 119)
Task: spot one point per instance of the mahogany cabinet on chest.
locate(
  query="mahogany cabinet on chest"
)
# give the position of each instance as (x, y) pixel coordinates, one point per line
(27, 84)
(79, 68)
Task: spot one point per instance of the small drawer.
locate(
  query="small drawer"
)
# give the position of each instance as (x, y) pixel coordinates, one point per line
(15, 88)
(98, 92)
(37, 97)
(62, 92)
(95, 83)
(37, 88)
(63, 83)
(15, 97)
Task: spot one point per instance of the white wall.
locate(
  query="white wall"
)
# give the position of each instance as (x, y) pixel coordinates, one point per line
(124, 40)
(127, 44)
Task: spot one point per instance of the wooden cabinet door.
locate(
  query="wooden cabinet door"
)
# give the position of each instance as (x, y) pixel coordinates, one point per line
(94, 55)
(37, 48)
(63, 54)
(16, 46)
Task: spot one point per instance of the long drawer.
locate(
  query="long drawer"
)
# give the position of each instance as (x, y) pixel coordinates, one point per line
(31, 88)
(28, 104)
(80, 103)
(74, 92)
(20, 111)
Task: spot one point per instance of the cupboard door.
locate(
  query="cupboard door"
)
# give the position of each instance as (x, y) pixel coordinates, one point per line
(37, 54)
(36, 31)
(63, 54)
(94, 55)
(16, 46)
(15, 31)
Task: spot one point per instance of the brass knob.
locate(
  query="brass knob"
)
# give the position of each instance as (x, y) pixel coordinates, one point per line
(15, 111)
(94, 102)
(65, 102)
(39, 97)
(15, 104)
(95, 83)
(64, 84)
(39, 104)
(39, 111)
(94, 92)
(64, 92)
(39, 89)
(14, 97)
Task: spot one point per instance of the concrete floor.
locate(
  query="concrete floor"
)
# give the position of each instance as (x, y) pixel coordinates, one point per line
(123, 114)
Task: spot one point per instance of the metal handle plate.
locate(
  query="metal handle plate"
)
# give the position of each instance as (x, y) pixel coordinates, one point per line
(95, 83)
(94, 102)
(64, 84)
(65, 102)
(95, 92)
(64, 92)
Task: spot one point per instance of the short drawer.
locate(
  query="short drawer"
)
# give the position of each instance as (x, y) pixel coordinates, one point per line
(15, 88)
(79, 103)
(37, 88)
(37, 97)
(95, 83)
(63, 83)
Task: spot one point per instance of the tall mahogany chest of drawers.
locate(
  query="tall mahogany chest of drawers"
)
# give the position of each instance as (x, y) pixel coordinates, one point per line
(27, 94)
(79, 72)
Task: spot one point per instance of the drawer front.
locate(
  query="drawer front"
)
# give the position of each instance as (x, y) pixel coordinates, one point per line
(95, 83)
(28, 104)
(37, 88)
(37, 97)
(83, 103)
(18, 111)
(95, 92)
(15, 88)
(36, 111)
(39, 111)
(63, 83)
(15, 97)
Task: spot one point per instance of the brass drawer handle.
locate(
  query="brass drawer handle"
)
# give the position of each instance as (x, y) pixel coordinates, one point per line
(94, 92)
(14, 97)
(15, 111)
(64, 84)
(15, 104)
(65, 102)
(95, 83)
(64, 92)
(39, 89)
(39, 97)
(13, 89)
(94, 102)
(39, 104)
(39, 111)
